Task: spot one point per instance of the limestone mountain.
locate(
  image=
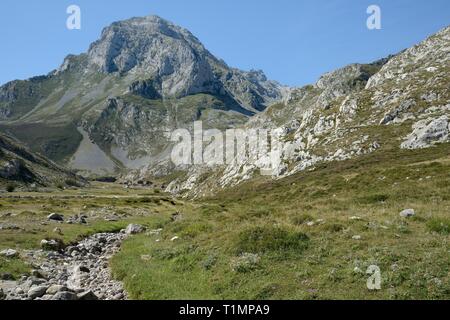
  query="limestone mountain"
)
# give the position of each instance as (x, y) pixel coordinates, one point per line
(110, 110)
(401, 102)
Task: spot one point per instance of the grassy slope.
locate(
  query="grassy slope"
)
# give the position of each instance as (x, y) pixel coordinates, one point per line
(269, 218)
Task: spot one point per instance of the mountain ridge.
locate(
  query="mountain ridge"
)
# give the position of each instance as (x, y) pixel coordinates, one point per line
(137, 62)
(145, 77)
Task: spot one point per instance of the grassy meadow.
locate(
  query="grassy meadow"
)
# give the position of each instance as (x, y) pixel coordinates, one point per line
(309, 236)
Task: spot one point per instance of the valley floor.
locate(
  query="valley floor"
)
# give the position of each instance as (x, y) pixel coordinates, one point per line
(310, 236)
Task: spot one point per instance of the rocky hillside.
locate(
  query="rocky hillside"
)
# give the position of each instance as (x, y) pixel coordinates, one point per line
(20, 166)
(401, 102)
(110, 109)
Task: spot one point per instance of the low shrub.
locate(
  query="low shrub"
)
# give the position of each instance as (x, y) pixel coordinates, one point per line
(10, 187)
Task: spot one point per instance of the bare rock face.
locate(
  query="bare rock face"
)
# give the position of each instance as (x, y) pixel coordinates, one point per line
(146, 77)
(173, 63)
(134, 229)
(348, 113)
(346, 80)
(11, 169)
(155, 48)
(427, 133)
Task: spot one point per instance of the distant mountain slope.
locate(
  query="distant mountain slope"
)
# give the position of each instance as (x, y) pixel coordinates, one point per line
(402, 102)
(19, 165)
(143, 78)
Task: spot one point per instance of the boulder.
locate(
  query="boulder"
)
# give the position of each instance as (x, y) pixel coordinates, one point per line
(55, 217)
(87, 295)
(38, 274)
(9, 253)
(51, 245)
(408, 213)
(79, 275)
(134, 229)
(427, 133)
(54, 289)
(37, 291)
(77, 219)
(32, 282)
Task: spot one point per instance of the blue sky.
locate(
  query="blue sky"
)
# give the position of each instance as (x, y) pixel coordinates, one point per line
(293, 41)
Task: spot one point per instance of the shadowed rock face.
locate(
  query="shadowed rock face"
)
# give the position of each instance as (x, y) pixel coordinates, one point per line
(20, 165)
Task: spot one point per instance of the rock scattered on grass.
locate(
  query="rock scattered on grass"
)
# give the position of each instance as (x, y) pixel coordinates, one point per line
(78, 272)
(408, 213)
(134, 229)
(9, 253)
(55, 217)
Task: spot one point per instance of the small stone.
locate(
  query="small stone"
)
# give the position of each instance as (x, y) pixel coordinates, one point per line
(88, 295)
(37, 274)
(55, 217)
(118, 296)
(37, 292)
(19, 291)
(31, 282)
(54, 289)
(52, 245)
(174, 238)
(407, 213)
(356, 237)
(65, 296)
(145, 257)
(9, 253)
(134, 229)
(112, 218)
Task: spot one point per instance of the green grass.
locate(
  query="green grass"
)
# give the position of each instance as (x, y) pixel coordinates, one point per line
(255, 241)
(439, 225)
(271, 239)
(16, 267)
(300, 261)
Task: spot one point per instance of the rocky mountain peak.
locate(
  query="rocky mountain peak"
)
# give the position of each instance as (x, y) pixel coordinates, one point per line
(138, 42)
(152, 49)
